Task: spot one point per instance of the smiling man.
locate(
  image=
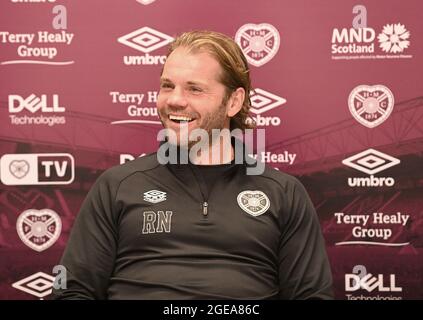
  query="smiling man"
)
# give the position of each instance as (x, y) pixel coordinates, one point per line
(197, 93)
(191, 91)
(204, 229)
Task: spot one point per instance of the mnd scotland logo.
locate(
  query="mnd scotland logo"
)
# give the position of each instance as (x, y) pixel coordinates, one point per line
(360, 41)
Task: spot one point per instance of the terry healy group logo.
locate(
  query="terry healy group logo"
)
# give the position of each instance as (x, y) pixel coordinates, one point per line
(259, 42)
(261, 102)
(276, 158)
(39, 229)
(377, 229)
(40, 47)
(371, 162)
(140, 107)
(145, 40)
(37, 169)
(360, 41)
(36, 110)
(371, 105)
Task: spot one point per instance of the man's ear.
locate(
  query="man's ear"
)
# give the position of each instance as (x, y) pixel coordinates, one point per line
(235, 102)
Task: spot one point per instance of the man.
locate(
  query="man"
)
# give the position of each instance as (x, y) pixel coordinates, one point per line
(202, 230)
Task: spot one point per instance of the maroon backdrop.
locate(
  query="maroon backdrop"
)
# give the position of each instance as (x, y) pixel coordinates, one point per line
(338, 90)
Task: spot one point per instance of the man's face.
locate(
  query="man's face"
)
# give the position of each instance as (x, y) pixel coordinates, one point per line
(191, 94)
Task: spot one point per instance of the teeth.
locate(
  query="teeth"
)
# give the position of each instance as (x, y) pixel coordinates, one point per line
(179, 118)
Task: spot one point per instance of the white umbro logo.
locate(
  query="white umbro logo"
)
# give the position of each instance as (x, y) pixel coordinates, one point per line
(145, 39)
(371, 161)
(154, 196)
(39, 284)
(262, 101)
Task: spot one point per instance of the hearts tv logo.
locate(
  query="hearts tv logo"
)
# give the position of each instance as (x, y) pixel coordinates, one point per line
(19, 168)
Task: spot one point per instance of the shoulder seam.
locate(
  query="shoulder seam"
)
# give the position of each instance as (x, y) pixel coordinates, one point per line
(132, 173)
(267, 176)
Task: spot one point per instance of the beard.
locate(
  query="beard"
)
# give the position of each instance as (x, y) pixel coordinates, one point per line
(214, 120)
(208, 122)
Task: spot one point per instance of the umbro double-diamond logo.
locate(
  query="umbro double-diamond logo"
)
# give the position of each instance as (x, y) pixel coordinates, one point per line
(154, 196)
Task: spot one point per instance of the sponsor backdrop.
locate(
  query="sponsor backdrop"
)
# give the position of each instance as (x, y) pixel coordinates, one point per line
(338, 88)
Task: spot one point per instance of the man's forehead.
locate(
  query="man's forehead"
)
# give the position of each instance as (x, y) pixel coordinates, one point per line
(184, 50)
(199, 63)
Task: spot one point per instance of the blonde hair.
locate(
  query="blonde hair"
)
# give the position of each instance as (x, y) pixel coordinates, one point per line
(236, 73)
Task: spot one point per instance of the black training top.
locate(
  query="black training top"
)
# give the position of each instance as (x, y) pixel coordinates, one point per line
(152, 231)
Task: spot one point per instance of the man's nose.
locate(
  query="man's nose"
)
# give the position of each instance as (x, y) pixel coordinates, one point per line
(177, 99)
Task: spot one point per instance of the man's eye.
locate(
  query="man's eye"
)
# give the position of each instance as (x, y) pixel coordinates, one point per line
(195, 89)
(165, 85)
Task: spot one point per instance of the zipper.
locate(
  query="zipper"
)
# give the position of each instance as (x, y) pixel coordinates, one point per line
(205, 193)
(205, 208)
(204, 190)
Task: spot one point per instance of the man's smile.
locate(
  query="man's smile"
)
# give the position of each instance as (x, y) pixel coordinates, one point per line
(181, 118)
